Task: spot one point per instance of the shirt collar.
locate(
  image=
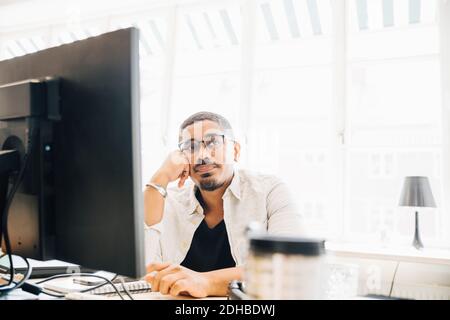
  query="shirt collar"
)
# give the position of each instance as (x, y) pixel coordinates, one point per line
(234, 188)
(194, 204)
(235, 185)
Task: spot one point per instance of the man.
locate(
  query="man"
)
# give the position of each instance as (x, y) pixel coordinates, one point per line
(195, 234)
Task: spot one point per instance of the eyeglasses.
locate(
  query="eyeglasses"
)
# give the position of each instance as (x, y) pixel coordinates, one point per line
(211, 142)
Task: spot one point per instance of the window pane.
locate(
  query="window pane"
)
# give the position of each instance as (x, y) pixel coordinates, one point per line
(207, 64)
(392, 28)
(375, 181)
(395, 103)
(394, 120)
(292, 124)
(217, 93)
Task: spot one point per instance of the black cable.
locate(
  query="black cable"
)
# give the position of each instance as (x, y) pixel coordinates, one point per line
(5, 213)
(5, 229)
(72, 274)
(99, 285)
(393, 279)
(122, 282)
(18, 284)
(53, 294)
(105, 283)
(95, 287)
(26, 275)
(108, 281)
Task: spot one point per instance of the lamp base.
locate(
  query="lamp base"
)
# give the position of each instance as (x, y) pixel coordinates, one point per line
(417, 242)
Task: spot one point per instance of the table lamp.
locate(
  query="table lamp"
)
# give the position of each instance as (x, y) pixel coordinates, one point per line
(417, 193)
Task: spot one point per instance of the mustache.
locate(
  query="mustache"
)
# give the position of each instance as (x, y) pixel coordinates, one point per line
(205, 161)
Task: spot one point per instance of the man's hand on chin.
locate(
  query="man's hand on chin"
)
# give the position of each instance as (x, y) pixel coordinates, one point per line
(176, 280)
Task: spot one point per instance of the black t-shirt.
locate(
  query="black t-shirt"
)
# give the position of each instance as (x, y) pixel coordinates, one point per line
(210, 249)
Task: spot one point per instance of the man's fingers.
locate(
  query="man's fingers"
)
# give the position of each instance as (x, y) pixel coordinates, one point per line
(156, 280)
(186, 170)
(150, 276)
(183, 176)
(157, 266)
(167, 281)
(153, 269)
(178, 287)
(182, 180)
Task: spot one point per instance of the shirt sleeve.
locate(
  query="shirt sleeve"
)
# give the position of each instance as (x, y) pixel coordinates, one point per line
(284, 219)
(152, 235)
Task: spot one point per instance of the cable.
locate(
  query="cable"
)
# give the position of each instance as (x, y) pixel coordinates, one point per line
(52, 294)
(33, 288)
(99, 285)
(125, 288)
(74, 274)
(4, 223)
(105, 283)
(18, 284)
(393, 279)
(108, 281)
(27, 273)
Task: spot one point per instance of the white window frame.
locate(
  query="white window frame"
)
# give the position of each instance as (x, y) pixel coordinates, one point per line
(444, 29)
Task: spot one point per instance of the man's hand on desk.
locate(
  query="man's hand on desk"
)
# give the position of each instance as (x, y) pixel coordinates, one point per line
(176, 280)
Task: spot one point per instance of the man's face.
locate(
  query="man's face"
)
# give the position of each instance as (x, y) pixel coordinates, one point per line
(210, 152)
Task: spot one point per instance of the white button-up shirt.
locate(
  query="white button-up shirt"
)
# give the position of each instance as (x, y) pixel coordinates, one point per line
(250, 197)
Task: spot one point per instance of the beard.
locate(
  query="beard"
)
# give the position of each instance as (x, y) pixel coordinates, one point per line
(209, 184)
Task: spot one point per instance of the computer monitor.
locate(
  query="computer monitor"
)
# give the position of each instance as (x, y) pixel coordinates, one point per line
(81, 198)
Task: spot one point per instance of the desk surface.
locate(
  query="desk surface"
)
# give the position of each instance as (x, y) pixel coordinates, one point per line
(21, 295)
(159, 296)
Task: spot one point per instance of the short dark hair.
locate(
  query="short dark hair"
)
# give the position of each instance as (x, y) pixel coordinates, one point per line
(211, 116)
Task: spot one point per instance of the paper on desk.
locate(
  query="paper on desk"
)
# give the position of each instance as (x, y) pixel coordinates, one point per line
(66, 285)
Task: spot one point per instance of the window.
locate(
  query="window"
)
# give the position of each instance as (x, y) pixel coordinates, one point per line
(342, 99)
(394, 118)
(291, 105)
(206, 72)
